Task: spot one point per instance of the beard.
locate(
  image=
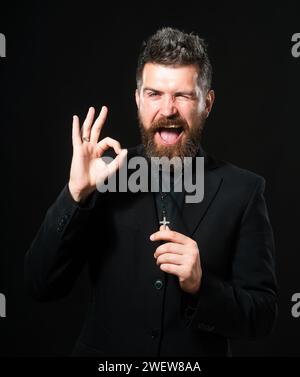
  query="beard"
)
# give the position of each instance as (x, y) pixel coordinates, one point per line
(187, 145)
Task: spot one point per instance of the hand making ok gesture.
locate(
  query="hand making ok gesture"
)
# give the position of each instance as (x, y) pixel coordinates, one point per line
(87, 167)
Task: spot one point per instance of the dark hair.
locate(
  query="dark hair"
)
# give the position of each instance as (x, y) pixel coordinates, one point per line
(173, 47)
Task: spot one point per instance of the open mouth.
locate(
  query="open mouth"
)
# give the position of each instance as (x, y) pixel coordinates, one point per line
(170, 135)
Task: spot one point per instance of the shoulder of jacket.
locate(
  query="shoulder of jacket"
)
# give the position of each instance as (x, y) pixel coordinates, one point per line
(236, 173)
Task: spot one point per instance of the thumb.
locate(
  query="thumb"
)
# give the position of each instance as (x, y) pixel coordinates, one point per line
(162, 227)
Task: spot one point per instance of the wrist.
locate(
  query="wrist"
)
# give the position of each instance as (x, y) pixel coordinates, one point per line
(79, 196)
(193, 292)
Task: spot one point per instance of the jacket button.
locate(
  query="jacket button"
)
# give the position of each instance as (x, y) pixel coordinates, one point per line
(158, 284)
(154, 333)
(205, 327)
(189, 312)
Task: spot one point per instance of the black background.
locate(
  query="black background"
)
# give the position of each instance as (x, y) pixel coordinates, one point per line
(63, 58)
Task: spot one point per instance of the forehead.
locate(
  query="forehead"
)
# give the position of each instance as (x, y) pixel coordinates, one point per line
(162, 77)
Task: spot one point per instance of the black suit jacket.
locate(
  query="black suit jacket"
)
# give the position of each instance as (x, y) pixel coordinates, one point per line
(130, 314)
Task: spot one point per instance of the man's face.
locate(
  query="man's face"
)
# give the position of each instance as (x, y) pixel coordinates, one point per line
(171, 110)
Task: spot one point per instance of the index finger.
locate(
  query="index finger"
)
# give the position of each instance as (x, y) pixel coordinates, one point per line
(97, 126)
(169, 235)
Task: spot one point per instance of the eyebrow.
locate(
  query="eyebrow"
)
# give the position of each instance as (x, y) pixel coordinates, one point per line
(151, 89)
(189, 93)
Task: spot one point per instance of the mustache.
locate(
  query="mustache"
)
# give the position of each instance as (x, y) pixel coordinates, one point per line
(167, 122)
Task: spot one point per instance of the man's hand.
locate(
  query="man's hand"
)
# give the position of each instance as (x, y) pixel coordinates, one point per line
(179, 257)
(87, 168)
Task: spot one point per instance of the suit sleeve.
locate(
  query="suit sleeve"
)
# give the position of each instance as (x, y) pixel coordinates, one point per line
(244, 307)
(59, 251)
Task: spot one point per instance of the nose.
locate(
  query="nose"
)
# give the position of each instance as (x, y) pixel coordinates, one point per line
(168, 107)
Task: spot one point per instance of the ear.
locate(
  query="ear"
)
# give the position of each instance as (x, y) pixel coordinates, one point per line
(137, 98)
(209, 101)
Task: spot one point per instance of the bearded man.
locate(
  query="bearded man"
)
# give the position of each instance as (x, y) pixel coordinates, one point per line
(168, 278)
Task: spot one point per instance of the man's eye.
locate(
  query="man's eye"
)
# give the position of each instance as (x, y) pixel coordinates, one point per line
(152, 94)
(182, 96)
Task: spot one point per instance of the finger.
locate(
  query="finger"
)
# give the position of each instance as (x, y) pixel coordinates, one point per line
(99, 122)
(171, 269)
(106, 143)
(117, 162)
(164, 227)
(169, 247)
(169, 258)
(87, 124)
(170, 235)
(76, 136)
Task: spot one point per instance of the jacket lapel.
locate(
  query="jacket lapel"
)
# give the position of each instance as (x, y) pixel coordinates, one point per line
(193, 213)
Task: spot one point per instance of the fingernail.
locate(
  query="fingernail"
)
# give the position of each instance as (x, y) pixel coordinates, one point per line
(152, 237)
